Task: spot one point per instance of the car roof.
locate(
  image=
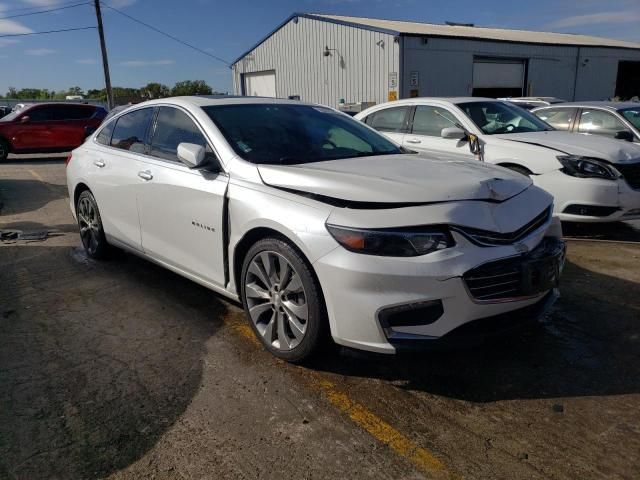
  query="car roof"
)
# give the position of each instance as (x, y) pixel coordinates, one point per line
(209, 100)
(603, 104)
(65, 104)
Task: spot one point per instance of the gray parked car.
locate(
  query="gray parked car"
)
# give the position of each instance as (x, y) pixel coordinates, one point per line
(611, 119)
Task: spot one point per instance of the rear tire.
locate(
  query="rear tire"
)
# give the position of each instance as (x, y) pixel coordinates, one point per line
(90, 225)
(283, 300)
(4, 150)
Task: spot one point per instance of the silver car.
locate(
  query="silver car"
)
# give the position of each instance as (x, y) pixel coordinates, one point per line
(619, 120)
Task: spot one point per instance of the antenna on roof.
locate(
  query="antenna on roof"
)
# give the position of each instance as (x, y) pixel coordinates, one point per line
(457, 24)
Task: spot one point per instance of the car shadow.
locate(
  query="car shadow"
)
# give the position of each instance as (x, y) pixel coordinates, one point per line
(97, 359)
(33, 194)
(587, 345)
(616, 231)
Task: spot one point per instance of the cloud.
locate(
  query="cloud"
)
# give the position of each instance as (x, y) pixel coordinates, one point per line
(39, 52)
(87, 61)
(601, 18)
(9, 27)
(121, 3)
(146, 63)
(8, 41)
(42, 3)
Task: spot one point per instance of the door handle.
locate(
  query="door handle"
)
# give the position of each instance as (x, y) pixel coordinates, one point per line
(99, 163)
(413, 140)
(145, 175)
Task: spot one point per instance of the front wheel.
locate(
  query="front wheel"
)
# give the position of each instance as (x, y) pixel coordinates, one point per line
(283, 300)
(90, 225)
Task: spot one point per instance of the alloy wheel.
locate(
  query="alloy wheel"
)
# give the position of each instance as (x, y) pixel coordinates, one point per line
(276, 300)
(89, 225)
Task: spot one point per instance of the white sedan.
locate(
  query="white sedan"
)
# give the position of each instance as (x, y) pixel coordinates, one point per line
(593, 179)
(317, 223)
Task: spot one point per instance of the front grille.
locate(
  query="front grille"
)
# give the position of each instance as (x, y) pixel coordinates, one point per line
(486, 238)
(506, 279)
(631, 173)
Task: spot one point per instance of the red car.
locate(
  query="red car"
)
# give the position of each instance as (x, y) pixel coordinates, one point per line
(48, 127)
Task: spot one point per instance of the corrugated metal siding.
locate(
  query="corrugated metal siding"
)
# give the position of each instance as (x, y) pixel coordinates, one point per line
(295, 53)
(445, 67)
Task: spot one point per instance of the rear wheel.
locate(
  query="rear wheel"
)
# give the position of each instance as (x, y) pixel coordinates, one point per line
(4, 150)
(90, 224)
(283, 300)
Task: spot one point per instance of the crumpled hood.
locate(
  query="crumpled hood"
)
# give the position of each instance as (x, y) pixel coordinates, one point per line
(615, 151)
(398, 179)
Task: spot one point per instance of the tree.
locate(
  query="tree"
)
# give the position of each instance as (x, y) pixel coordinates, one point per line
(12, 93)
(191, 87)
(155, 90)
(75, 91)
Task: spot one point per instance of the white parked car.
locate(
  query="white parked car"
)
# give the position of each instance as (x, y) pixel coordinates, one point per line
(317, 223)
(593, 179)
(619, 120)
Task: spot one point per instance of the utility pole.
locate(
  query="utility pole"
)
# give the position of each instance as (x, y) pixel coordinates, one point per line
(105, 60)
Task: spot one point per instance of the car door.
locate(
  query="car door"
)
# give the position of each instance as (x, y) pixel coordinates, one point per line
(181, 210)
(392, 121)
(560, 118)
(600, 122)
(114, 174)
(69, 125)
(32, 130)
(425, 131)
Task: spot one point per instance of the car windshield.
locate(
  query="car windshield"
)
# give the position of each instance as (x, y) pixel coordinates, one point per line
(292, 134)
(501, 117)
(632, 115)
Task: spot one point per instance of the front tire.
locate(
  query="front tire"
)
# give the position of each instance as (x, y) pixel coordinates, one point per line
(283, 301)
(90, 225)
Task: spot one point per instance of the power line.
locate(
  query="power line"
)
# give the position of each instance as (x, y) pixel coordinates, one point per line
(157, 30)
(45, 11)
(49, 31)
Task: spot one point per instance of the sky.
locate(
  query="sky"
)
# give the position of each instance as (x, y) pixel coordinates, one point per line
(227, 29)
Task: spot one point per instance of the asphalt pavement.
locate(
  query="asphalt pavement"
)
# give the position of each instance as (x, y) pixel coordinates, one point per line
(121, 369)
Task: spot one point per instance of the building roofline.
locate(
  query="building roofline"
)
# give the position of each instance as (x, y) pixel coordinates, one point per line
(311, 16)
(479, 37)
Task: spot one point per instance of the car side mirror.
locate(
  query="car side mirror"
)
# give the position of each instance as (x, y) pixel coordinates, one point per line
(191, 154)
(25, 119)
(625, 135)
(453, 133)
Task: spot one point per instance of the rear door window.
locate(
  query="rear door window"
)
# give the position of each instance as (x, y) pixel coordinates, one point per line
(174, 127)
(130, 132)
(389, 120)
(73, 112)
(558, 118)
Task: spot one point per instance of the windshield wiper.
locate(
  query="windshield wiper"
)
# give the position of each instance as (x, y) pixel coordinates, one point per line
(291, 160)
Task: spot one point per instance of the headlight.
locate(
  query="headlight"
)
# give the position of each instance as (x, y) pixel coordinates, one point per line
(393, 242)
(585, 167)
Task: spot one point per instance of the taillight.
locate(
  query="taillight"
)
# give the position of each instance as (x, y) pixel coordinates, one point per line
(68, 159)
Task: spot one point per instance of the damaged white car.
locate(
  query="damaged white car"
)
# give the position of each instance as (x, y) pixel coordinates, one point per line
(317, 223)
(593, 179)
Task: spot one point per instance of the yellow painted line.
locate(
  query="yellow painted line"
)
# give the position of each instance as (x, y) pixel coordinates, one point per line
(421, 458)
(36, 175)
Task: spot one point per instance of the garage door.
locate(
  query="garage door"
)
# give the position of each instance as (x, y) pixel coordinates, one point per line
(260, 84)
(498, 78)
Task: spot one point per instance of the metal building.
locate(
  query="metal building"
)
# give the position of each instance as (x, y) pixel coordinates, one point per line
(329, 58)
